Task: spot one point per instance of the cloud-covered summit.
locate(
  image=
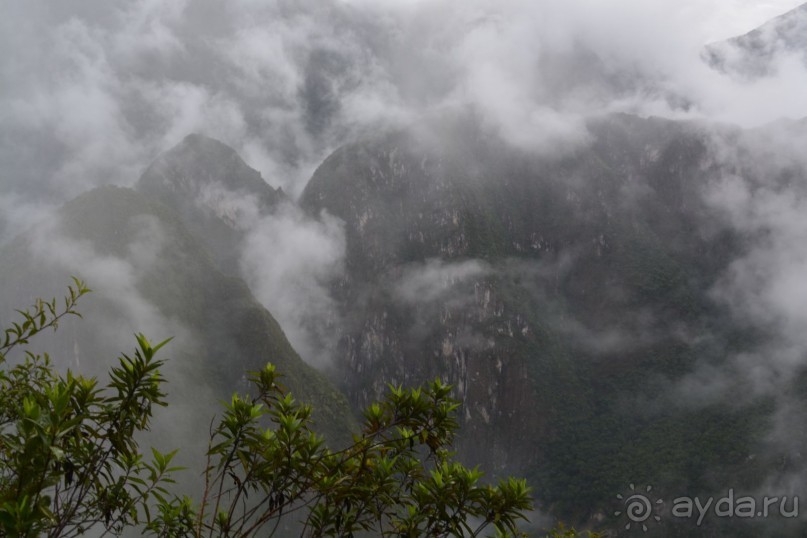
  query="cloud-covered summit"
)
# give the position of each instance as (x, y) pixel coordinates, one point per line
(95, 90)
(759, 52)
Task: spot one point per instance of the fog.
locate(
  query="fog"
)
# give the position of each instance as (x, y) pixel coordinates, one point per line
(94, 90)
(91, 92)
(289, 261)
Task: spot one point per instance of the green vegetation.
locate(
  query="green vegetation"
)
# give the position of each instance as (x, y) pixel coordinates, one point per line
(225, 331)
(69, 459)
(595, 306)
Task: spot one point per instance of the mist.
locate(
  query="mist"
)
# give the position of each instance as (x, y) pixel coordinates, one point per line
(95, 90)
(92, 92)
(289, 261)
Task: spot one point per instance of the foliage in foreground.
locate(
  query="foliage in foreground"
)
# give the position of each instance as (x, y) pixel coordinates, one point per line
(69, 460)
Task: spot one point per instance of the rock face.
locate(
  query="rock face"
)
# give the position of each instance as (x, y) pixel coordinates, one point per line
(755, 54)
(553, 293)
(562, 296)
(214, 191)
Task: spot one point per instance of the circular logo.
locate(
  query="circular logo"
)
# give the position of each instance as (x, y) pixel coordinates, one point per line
(639, 507)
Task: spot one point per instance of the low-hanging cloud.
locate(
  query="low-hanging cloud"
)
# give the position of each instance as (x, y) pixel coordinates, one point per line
(433, 279)
(119, 307)
(115, 278)
(94, 91)
(289, 261)
(761, 195)
(91, 92)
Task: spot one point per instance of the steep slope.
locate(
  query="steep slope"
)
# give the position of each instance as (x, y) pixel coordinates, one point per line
(558, 294)
(755, 54)
(151, 275)
(254, 232)
(213, 190)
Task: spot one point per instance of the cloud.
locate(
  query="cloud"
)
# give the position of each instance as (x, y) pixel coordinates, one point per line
(764, 287)
(118, 308)
(759, 192)
(114, 277)
(762, 197)
(435, 290)
(20, 213)
(433, 279)
(289, 261)
(95, 91)
(91, 92)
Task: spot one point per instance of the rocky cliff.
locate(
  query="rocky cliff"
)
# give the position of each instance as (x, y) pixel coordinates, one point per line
(556, 293)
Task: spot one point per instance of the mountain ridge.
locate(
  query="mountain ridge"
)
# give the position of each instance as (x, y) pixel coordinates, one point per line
(158, 264)
(213, 190)
(550, 291)
(755, 53)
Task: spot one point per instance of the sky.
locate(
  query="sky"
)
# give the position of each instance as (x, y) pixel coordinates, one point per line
(94, 90)
(728, 18)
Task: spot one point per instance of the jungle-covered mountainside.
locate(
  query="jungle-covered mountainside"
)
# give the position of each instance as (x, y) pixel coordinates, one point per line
(151, 275)
(565, 296)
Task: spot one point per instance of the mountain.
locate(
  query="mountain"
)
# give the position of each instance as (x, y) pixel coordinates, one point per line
(564, 296)
(561, 295)
(150, 274)
(755, 54)
(213, 190)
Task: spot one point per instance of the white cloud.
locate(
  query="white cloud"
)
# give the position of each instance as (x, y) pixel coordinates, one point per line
(94, 92)
(102, 87)
(431, 280)
(117, 308)
(289, 261)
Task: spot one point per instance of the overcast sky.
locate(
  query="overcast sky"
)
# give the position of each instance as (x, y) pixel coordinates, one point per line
(720, 19)
(727, 18)
(91, 91)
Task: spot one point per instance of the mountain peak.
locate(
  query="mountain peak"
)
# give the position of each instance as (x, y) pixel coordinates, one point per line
(214, 191)
(199, 162)
(753, 54)
(205, 146)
